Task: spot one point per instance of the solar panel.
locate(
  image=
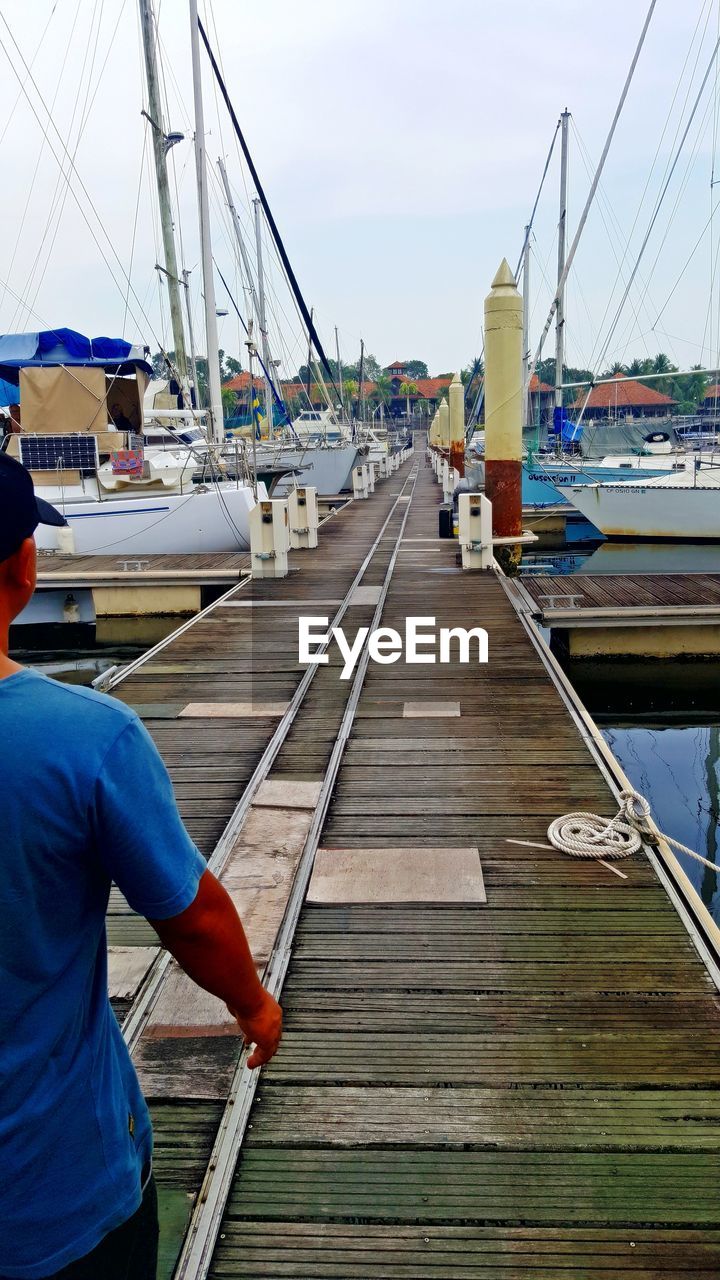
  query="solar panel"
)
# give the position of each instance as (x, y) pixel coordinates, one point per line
(53, 453)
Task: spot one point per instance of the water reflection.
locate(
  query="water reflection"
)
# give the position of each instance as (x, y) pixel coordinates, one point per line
(624, 557)
(677, 769)
(60, 653)
(662, 721)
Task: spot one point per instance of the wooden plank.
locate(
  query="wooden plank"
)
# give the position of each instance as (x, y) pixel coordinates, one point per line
(127, 967)
(316, 1115)
(394, 875)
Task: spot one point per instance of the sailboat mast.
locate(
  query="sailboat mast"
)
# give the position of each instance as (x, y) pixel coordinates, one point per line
(188, 311)
(527, 400)
(160, 150)
(309, 358)
(560, 311)
(339, 371)
(253, 309)
(216, 429)
(262, 320)
(361, 379)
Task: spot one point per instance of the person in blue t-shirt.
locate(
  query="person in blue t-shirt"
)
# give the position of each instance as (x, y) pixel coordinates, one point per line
(86, 801)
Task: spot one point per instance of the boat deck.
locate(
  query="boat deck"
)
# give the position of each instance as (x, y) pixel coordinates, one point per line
(520, 1089)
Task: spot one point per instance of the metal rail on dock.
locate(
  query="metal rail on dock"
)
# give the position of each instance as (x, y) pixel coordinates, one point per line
(703, 931)
(147, 996)
(201, 1237)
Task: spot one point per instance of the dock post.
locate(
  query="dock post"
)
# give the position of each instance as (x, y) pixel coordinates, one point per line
(269, 538)
(359, 478)
(433, 440)
(475, 530)
(444, 428)
(371, 477)
(383, 467)
(456, 396)
(503, 409)
(303, 518)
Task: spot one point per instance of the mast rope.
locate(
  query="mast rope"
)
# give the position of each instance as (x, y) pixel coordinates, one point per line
(72, 169)
(268, 212)
(529, 226)
(587, 835)
(653, 219)
(593, 187)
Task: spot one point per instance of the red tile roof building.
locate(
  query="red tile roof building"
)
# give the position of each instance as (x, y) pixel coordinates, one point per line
(624, 397)
(430, 389)
(239, 383)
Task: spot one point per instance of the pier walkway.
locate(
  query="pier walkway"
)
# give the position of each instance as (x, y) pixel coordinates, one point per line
(521, 1089)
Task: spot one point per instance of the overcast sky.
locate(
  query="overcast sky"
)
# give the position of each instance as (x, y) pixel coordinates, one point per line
(400, 144)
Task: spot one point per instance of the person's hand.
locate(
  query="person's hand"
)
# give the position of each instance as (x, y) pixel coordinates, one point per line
(262, 1027)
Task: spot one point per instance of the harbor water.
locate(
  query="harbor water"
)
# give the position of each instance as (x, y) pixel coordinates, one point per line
(662, 721)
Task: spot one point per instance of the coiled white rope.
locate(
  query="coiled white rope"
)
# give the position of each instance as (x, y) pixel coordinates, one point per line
(585, 835)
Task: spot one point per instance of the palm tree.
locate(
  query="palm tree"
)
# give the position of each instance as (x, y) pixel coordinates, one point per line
(383, 388)
(229, 401)
(408, 389)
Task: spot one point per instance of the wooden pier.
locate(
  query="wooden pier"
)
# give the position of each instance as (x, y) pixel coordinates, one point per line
(59, 570)
(634, 614)
(517, 1089)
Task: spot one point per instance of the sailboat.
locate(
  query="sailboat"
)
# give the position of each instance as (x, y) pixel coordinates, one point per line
(80, 434)
(80, 425)
(683, 506)
(316, 448)
(613, 451)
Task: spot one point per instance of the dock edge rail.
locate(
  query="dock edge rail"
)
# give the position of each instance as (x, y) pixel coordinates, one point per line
(702, 929)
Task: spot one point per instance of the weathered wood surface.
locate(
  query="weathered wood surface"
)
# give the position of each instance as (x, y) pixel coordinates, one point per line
(670, 593)
(528, 1089)
(428, 1251)
(129, 570)
(235, 659)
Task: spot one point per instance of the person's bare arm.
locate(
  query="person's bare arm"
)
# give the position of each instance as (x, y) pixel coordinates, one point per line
(208, 941)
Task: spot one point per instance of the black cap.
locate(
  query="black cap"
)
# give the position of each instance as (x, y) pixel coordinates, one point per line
(20, 511)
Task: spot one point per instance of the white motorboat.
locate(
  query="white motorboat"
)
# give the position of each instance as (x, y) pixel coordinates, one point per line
(681, 506)
(203, 518)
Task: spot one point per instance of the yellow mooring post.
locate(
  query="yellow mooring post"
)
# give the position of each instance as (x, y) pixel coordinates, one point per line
(457, 425)
(503, 408)
(444, 427)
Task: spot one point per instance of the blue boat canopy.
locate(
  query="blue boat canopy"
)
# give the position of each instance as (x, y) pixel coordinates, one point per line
(66, 347)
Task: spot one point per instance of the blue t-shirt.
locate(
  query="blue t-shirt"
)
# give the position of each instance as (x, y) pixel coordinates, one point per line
(86, 800)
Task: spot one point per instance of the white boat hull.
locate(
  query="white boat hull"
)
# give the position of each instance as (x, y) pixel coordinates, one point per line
(642, 512)
(329, 470)
(157, 524)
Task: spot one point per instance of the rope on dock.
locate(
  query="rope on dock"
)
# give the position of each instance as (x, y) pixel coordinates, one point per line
(586, 835)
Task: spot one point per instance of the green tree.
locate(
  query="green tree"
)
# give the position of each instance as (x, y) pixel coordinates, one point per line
(416, 369)
(371, 369)
(350, 390)
(229, 402)
(408, 389)
(382, 390)
(473, 371)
